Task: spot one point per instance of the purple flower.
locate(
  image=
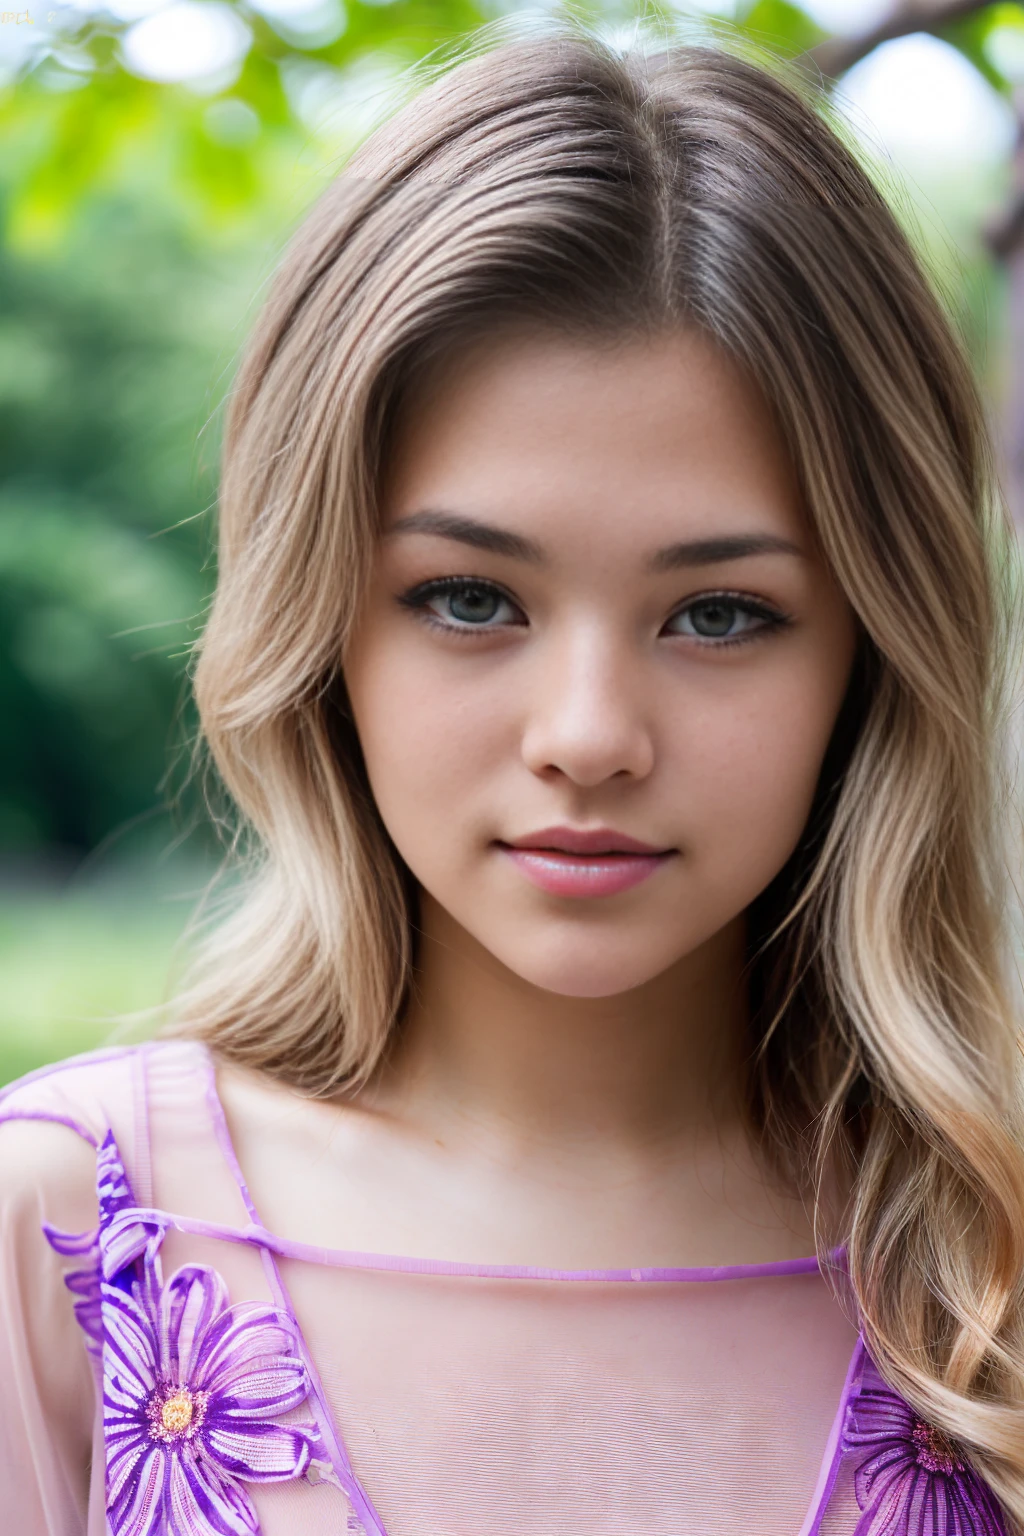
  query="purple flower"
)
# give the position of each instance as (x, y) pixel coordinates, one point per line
(114, 1197)
(192, 1391)
(911, 1480)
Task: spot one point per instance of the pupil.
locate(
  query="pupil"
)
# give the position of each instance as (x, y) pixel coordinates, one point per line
(713, 619)
(473, 605)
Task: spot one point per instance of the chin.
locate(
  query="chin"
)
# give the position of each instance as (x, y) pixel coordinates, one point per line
(596, 973)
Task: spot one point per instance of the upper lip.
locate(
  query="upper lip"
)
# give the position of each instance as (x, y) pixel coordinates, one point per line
(576, 840)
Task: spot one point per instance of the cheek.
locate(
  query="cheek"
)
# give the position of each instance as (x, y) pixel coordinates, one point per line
(430, 738)
(753, 764)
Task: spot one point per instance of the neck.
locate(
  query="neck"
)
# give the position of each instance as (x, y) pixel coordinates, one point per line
(482, 1050)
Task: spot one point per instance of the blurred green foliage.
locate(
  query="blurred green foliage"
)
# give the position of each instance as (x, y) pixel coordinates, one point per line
(88, 963)
(82, 119)
(108, 363)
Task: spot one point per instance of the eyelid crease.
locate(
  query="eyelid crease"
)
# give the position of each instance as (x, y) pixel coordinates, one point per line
(451, 583)
(417, 598)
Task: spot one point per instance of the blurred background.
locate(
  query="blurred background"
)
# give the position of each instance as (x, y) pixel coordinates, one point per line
(154, 157)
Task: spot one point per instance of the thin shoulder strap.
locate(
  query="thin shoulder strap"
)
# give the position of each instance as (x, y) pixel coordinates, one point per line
(142, 1160)
(218, 1121)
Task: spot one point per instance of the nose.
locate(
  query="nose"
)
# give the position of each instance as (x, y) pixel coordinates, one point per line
(586, 719)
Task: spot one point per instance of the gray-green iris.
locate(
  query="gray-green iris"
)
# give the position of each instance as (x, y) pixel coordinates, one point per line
(713, 619)
(473, 605)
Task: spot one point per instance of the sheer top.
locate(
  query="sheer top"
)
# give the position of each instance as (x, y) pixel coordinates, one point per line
(168, 1365)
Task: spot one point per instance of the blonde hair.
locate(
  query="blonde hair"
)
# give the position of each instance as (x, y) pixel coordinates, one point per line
(552, 182)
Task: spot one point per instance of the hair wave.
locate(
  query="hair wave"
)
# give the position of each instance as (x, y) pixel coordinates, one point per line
(549, 181)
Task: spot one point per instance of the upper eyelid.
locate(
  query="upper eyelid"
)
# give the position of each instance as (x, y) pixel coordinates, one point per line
(730, 595)
(441, 584)
(448, 583)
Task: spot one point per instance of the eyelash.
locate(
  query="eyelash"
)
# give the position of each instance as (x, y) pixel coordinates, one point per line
(418, 598)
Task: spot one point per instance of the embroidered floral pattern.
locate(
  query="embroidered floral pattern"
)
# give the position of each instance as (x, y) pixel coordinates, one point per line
(193, 1387)
(114, 1197)
(192, 1392)
(910, 1479)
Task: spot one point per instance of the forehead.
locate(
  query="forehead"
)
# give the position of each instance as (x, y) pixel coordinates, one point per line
(629, 440)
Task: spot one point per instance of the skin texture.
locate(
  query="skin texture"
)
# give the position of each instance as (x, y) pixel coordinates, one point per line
(566, 1087)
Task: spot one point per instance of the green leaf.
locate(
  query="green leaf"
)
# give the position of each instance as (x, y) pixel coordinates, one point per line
(969, 35)
(781, 26)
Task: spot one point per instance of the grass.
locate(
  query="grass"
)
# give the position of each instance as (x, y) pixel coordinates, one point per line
(81, 960)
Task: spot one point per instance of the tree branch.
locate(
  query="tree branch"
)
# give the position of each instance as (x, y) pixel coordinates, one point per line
(835, 55)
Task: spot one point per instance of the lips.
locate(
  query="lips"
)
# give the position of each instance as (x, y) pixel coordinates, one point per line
(570, 861)
(576, 840)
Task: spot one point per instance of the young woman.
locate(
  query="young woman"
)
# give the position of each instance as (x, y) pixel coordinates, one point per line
(600, 1117)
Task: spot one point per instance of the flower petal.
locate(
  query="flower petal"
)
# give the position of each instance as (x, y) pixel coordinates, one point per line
(72, 1244)
(137, 1509)
(877, 1473)
(200, 1502)
(129, 1348)
(899, 1496)
(245, 1338)
(266, 1392)
(261, 1453)
(192, 1299)
(125, 1435)
(127, 1461)
(112, 1187)
(125, 1239)
(972, 1507)
(879, 1413)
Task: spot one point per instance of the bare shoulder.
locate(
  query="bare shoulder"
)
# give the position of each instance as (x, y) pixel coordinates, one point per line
(256, 1102)
(329, 1172)
(51, 1123)
(48, 1170)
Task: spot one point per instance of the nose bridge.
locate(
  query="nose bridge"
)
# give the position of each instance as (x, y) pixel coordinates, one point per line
(587, 719)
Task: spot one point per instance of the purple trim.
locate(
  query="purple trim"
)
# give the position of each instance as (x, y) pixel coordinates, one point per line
(111, 1053)
(832, 1459)
(343, 1258)
(223, 1134)
(336, 1450)
(257, 1235)
(354, 1491)
(143, 1147)
(11, 1115)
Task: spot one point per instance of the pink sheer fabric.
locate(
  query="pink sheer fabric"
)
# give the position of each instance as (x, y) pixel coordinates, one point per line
(218, 1378)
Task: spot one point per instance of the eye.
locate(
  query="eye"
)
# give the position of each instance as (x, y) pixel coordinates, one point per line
(723, 617)
(460, 603)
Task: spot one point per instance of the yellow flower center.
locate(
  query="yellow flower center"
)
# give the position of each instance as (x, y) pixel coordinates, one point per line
(176, 1413)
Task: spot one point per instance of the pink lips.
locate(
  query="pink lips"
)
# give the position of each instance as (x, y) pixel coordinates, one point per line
(567, 862)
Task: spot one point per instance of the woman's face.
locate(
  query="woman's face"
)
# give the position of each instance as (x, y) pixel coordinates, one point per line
(600, 658)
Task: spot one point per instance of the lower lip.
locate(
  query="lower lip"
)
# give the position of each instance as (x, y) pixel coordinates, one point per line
(569, 874)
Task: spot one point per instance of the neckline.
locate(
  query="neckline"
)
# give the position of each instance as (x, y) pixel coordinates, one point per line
(408, 1264)
(350, 1482)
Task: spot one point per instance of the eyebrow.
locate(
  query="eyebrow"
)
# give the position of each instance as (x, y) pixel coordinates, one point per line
(715, 551)
(501, 541)
(466, 530)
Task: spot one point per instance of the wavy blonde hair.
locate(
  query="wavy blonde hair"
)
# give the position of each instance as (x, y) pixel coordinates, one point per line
(550, 181)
